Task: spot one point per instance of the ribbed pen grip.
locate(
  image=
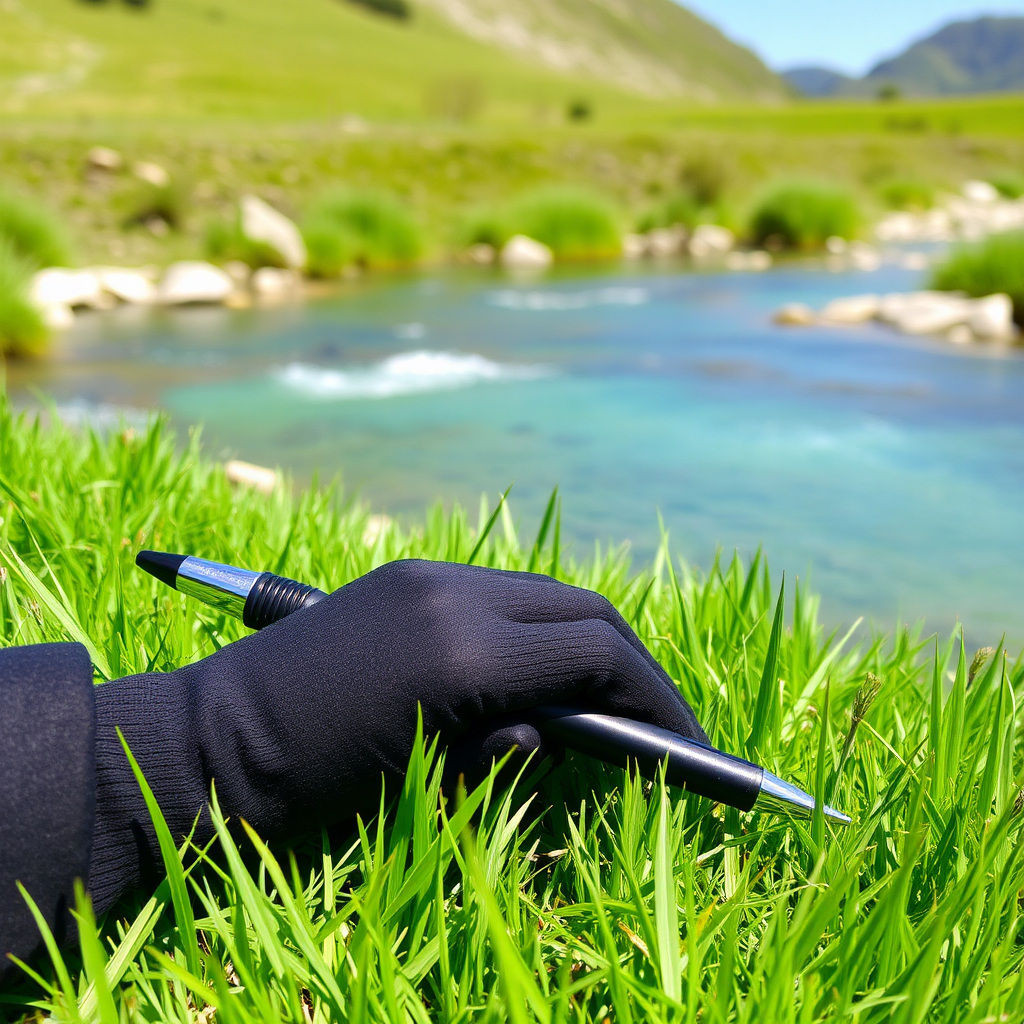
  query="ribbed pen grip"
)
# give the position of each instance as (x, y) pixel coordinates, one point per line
(273, 597)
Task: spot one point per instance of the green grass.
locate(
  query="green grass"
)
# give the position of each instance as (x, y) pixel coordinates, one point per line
(604, 897)
(33, 231)
(576, 224)
(983, 268)
(370, 228)
(803, 215)
(226, 242)
(680, 208)
(907, 194)
(22, 330)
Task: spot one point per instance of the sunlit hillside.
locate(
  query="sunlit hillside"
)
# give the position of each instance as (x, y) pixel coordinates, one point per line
(449, 59)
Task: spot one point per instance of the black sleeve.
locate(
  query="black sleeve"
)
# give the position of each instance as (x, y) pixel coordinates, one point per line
(47, 786)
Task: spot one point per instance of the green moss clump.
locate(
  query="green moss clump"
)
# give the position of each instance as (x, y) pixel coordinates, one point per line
(1009, 186)
(23, 331)
(680, 209)
(33, 232)
(803, 215)
(225, 241)
(984, 268)
(574, 224)
(372, 229)
(907, 194)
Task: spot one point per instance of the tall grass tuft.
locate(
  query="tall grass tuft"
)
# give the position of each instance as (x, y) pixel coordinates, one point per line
(602, 897)
(907, 194)
(680, 209)
(33, 232)
(225, 241)
(22, 328)
(575, 224)
(995, 264)
(371, 229)
(803, 215)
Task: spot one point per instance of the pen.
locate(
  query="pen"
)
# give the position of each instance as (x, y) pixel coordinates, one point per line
(262, 598)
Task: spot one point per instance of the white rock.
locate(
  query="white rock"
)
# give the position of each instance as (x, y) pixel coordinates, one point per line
(57, 317)
(864, 257)
(152, 174)
(856, 309)
(525, 253)
(836, 245)
(57, 286)
(262, 223)
(634, 246)
(194, 281)
(757, 260)
(924, 312)
(711, 240)
(259, 478)
(238, 271)
(794, 314)
(481, 254)
(979, 192)
(132, 286)
(274, 283)
(376, 525)
(662, 242)
(102, 158)
(960, 335)
(992, 317)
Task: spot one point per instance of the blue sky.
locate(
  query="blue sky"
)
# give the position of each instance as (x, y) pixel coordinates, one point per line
(849, 35)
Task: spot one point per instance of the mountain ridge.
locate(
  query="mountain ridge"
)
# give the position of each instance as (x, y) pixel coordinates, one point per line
(982, 55)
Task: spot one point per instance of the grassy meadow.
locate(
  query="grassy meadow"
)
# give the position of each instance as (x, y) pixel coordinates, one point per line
(576, 896)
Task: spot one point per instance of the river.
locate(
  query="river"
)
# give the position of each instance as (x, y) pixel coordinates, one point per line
(890, 470)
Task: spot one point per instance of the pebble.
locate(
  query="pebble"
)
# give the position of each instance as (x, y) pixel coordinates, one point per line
(274, 283)
(152, 174)
(855, 310)
(481, 254)
(795, 314)
(102, 158)
(193, 281)
(521, 252)
(247, 474)
(709, 240)
(262, 223)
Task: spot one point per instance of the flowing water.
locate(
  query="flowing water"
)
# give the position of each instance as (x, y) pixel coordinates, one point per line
(891, 470)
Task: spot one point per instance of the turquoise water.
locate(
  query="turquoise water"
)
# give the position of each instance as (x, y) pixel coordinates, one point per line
(891, 471)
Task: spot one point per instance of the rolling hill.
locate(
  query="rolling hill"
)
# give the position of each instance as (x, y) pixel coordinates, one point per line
(504, 60)
(985, 55)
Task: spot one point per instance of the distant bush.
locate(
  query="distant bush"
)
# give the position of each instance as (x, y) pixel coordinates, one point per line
(803, 215)
(329, 249)
(486, 226)
(984, 268)
(374, 227)
(573, 223)
(32, 232)
(146, 202)
(22, 329)
(226, 242)
(1009, 186)
(907, 194)
(678, 209)
(399, 9)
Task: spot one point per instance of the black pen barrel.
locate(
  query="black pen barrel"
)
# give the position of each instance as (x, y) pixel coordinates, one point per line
(624, 741)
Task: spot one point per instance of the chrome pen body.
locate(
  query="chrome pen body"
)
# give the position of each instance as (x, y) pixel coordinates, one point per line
(262, 598)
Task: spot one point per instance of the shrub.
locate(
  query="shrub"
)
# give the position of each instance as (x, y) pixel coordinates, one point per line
(225, 241)
(907, 194)
(574, 224)
(678, 209)
(22, 329)
(803, 215)
(379, 230)
(983, 268)
(32, 231)
(1009, 186)
(486, 226)
(399, 9)
(147, 202)
(329, 249)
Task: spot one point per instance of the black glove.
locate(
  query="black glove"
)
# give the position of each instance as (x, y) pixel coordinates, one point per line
(297, 723)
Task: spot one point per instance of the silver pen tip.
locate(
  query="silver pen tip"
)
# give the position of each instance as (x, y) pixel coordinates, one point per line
(777, 795)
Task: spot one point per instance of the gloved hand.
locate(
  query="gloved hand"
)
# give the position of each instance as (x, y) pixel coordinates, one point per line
(297, 723)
